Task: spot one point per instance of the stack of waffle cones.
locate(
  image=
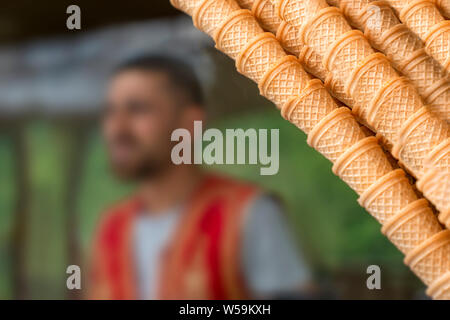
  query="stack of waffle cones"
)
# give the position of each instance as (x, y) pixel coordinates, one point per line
(424, 18)
(358, 159)
(388, 103)
(404, 49)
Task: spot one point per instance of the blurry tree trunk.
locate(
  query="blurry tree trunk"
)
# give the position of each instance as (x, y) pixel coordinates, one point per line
(78, 135)
(20, 224)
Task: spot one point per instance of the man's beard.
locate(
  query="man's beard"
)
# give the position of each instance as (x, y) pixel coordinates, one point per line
(143, 165)
(143, 162)
(144, 169)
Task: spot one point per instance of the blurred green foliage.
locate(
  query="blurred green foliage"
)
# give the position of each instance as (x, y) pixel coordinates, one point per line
(332, 229)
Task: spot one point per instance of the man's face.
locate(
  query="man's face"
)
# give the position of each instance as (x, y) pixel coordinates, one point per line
(140, 115)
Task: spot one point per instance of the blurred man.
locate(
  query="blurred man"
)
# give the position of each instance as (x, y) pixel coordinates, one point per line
(184, 234)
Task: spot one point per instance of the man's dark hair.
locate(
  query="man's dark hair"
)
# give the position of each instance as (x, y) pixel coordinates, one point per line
(180, 74)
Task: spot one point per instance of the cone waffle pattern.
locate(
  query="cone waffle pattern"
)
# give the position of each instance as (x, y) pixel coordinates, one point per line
(337, 88)
(439, 158)
(353, 169)
(208, 16)
(298, 13)
(387, 191)
(259, 56)
(347, 55)
(398, 43)
(437, 43)
(405, 42)
(381, 115)
(418, 138)
(411, 226)
(286, 80)
(235, 33)
(311, 61)
(264, 12)
(307, 110)
(440, 289)
(431, 259)
(420, 15)
(335, 134)
(424, 18)
(374, 18)
(417, 223)
(358, 159)
(352, 10)
(436, 187)
(330, 24)
(370, 77)
(398, 5)
(404, 48)
(288, 36)
(390, 106)
(187, 6)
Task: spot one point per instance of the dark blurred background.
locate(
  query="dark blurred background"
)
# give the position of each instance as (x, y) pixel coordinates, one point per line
(54, 176)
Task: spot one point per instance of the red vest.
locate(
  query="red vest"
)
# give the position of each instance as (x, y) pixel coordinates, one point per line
(202, 260)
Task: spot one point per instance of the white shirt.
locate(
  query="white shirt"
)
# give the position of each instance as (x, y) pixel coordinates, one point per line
(271, 263)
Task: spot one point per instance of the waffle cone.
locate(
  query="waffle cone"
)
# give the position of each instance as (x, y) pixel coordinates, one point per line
(367, 79)
(425, 19)
(398, 43)
(352, 10)
(440, 289)
(435, 185)
(388, 196)
(435, 182)
(260, 54)
(424, 71)
(345, 54)
(431, 259)
(337, 88)
(264, 12)
(335, 133)
(444, 6)
(376, 17)
(285, 80)
(308, 109)
(236, 32)
(438, 43)
(392, 107)
(439, 99)
(420, 16)
(439, 158)
(411, 226)
(327, 27)
(406, 50)
(362, 165)
(298, 12)
(313, 63)
(187, 6)
(417, 138)
(210, 14)
(288, 36)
